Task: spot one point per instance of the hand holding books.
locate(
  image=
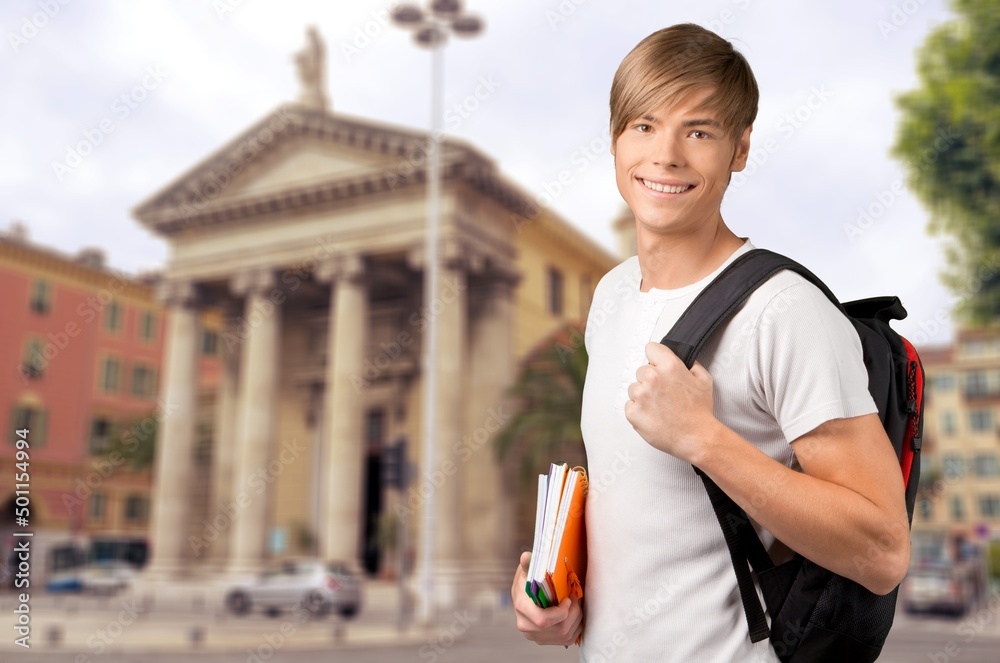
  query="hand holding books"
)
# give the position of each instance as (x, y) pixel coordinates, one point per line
(559, 554)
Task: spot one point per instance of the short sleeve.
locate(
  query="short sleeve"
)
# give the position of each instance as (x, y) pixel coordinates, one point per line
(806, 364)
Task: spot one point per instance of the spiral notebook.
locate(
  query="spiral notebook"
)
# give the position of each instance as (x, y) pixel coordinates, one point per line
(559, 555)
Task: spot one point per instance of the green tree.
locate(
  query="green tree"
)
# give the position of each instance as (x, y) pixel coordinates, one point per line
(949, 140)
(548, 398)
(134, 442)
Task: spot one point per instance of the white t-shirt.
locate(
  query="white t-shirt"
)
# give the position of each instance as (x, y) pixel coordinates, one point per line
(660, 584)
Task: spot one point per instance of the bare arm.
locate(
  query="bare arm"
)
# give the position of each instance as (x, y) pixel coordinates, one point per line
(844, 511)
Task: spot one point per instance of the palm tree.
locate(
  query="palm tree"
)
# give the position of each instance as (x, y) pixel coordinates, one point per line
(548, 399)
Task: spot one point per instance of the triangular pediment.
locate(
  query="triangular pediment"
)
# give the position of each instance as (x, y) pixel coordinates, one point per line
(292, 149)
(302, 162)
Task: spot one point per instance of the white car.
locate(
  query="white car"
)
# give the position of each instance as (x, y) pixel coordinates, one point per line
(319, 587)
(106, 577)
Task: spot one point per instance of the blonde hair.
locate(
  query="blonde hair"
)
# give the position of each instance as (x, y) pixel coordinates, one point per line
(670, 64)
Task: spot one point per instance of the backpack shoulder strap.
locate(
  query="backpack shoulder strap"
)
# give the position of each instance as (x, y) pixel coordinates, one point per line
(725, 295)
(710, 309)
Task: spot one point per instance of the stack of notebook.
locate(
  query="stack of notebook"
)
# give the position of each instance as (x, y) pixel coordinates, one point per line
(559, 555)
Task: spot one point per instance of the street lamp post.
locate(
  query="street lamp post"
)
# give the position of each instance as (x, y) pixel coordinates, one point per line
(431, 30)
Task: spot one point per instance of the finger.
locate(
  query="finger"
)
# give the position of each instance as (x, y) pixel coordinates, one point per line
(659, 354)
(702, 374)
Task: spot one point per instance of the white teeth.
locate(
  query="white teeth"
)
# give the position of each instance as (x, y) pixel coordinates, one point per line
(666, 189)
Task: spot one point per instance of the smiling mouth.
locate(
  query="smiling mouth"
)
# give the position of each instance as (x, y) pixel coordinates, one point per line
(665, 188)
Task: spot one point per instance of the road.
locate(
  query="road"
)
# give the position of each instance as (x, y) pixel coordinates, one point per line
(495, 640)
(165, 632)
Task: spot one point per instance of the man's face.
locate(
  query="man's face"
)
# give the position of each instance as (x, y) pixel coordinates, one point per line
(673, 165)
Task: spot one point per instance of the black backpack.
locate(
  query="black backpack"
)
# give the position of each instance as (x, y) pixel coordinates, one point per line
(816, 615)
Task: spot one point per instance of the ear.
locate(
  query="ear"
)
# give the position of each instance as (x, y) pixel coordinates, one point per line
(742, 152)
(614, 141)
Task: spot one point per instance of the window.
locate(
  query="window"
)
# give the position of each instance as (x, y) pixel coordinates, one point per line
(926, 509)
(986, 465)
(147, 326)
(110, 375)
(981, 420)
(954, 466)
(209, 343)
(957, 508)
(143, 382)
(33, 419)
(979, 385)
(100, 435)
(98, 506)
(33, 363)
(989, 506)
(136, 509)
(948, 422)
(555, 291)
(41, 297)
(113, 317)
(973, 348)
(943, 382)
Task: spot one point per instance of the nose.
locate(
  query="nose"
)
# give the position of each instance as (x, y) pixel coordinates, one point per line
(667, 150)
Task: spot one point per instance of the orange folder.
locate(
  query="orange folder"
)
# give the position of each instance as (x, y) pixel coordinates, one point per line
(567, 576)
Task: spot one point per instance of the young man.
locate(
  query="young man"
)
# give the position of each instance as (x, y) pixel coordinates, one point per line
(777, 411)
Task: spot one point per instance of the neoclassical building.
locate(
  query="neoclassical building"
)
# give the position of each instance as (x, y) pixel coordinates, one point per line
(307, 232)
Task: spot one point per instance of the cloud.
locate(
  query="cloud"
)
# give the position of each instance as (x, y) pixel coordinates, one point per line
(226, 71)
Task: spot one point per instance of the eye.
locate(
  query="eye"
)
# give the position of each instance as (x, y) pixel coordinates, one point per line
(700, 135)
(643, 128)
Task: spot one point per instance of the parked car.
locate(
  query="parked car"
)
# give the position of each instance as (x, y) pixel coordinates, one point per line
(319, 587)
(939, 587)
(107, 577)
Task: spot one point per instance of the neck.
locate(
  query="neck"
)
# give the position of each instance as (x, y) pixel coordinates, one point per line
(669, 261)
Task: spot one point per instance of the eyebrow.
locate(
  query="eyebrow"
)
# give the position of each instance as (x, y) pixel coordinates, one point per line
(701, 123)
(698, 122)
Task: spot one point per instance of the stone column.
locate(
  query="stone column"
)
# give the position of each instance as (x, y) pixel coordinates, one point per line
(259, 333)
(224, 446)
(487, 515)
(343, 443)
(171, 508)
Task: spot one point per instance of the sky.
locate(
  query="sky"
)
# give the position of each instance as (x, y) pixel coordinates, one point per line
(150, 88)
